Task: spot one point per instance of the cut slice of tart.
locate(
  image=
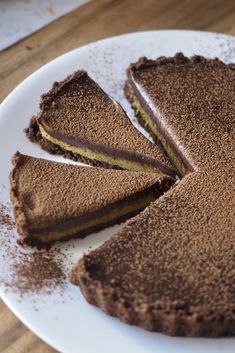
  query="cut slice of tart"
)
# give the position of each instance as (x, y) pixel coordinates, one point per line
(189, 105)
(79, 120)
(56, 201)
(171, 268)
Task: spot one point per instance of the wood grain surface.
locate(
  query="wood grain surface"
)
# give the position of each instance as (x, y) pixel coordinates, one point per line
(96, 20)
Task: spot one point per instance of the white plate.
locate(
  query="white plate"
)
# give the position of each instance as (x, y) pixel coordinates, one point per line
(66, 321)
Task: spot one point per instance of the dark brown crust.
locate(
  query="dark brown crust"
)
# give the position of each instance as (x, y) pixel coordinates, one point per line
(58, 88)
(170, 318)
(178, 59)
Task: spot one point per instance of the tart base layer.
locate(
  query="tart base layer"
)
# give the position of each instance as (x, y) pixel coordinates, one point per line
(170, 318)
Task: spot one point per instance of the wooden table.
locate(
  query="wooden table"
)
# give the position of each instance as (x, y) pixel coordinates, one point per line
(93, 21)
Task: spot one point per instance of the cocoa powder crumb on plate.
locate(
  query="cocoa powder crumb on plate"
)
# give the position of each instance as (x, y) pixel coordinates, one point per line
(38, 270)
(31, 271)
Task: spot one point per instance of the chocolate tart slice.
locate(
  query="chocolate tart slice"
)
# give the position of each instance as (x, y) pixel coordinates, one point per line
(79, 120)
(56, 201)
(189, 105)
(171, 269)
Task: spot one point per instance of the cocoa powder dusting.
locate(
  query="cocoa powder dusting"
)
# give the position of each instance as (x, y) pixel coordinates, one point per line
(5, 219)
(38, 271)
(29, 270)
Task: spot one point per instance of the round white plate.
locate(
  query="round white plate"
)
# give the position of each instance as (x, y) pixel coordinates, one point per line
(66, 321)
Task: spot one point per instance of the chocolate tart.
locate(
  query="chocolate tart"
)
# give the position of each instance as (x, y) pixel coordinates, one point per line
(171, 268)
(78, 119)
(187, 104)
(56, 201)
